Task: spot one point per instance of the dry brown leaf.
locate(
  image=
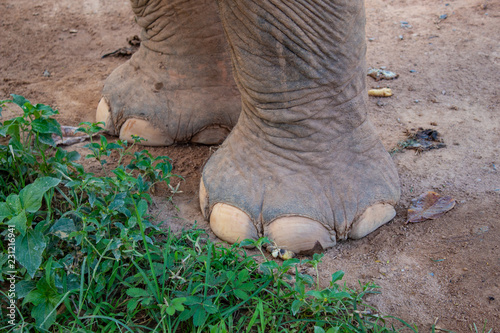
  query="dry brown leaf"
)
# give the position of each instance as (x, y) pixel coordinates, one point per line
(429, 205)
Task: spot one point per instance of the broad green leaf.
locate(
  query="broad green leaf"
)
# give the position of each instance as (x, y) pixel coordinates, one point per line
(132, 221)
(20, 101)
(316, 294)
(30, 249)
(186, 314)
(31, 196)
(47, 139)
(63, 228)
(47, 126)
(268, 266)
(247, 243)
(137, 292)
(199, 317)
(248, 286)
(291, 262)
(132, 304)
(104, 141)
(19, 222)
(340, 295)
(230, 275)
(115, 204)
(209, 306)
(92, 198)
(241, 294)
(337, 276)
(11, 128)
(170, 310)
(296, 306)
(177, 303)
(34, 296)
(243, 275)
(14, 204)
(41, 314)
(318, 329)
(114, 146)
(333, 330)
(4, 211)
(24, 287)
(142, 207)
(73, 156)
(46, 110)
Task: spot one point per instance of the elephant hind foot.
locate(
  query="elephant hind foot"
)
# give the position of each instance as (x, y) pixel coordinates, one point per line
(178, 86)
(155, 136)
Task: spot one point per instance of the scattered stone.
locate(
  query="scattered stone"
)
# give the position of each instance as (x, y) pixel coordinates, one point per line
(73, 31)
(46, 73)
(481, 230)
(443, 17)
(405, 25)
(381, 74)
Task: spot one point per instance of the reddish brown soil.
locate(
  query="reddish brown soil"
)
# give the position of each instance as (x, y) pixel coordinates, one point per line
(445, 270)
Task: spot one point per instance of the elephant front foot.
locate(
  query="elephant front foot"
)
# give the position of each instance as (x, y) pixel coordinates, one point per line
(303, 193)
(178, 87)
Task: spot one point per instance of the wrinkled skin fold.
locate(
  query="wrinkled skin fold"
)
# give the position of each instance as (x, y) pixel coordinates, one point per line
(303, 165)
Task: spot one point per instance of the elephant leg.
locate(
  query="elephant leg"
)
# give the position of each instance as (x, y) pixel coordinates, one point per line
(303, 165)
(178, 86)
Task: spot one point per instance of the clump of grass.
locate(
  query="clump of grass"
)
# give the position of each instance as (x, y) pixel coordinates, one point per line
(90, 259)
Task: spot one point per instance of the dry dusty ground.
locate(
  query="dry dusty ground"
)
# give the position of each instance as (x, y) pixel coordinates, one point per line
(446, 269)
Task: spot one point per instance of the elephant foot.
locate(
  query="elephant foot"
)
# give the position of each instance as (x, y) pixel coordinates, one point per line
(178, 86)
(304, 199)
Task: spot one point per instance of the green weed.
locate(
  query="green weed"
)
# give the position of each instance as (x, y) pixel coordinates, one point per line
(90, 259)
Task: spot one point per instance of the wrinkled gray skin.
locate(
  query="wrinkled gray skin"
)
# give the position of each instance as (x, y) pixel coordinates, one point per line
(303, 145)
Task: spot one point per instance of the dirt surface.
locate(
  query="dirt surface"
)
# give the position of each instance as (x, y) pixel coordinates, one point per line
(445, 270)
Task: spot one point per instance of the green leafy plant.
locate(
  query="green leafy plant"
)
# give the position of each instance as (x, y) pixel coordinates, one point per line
(90, 258)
